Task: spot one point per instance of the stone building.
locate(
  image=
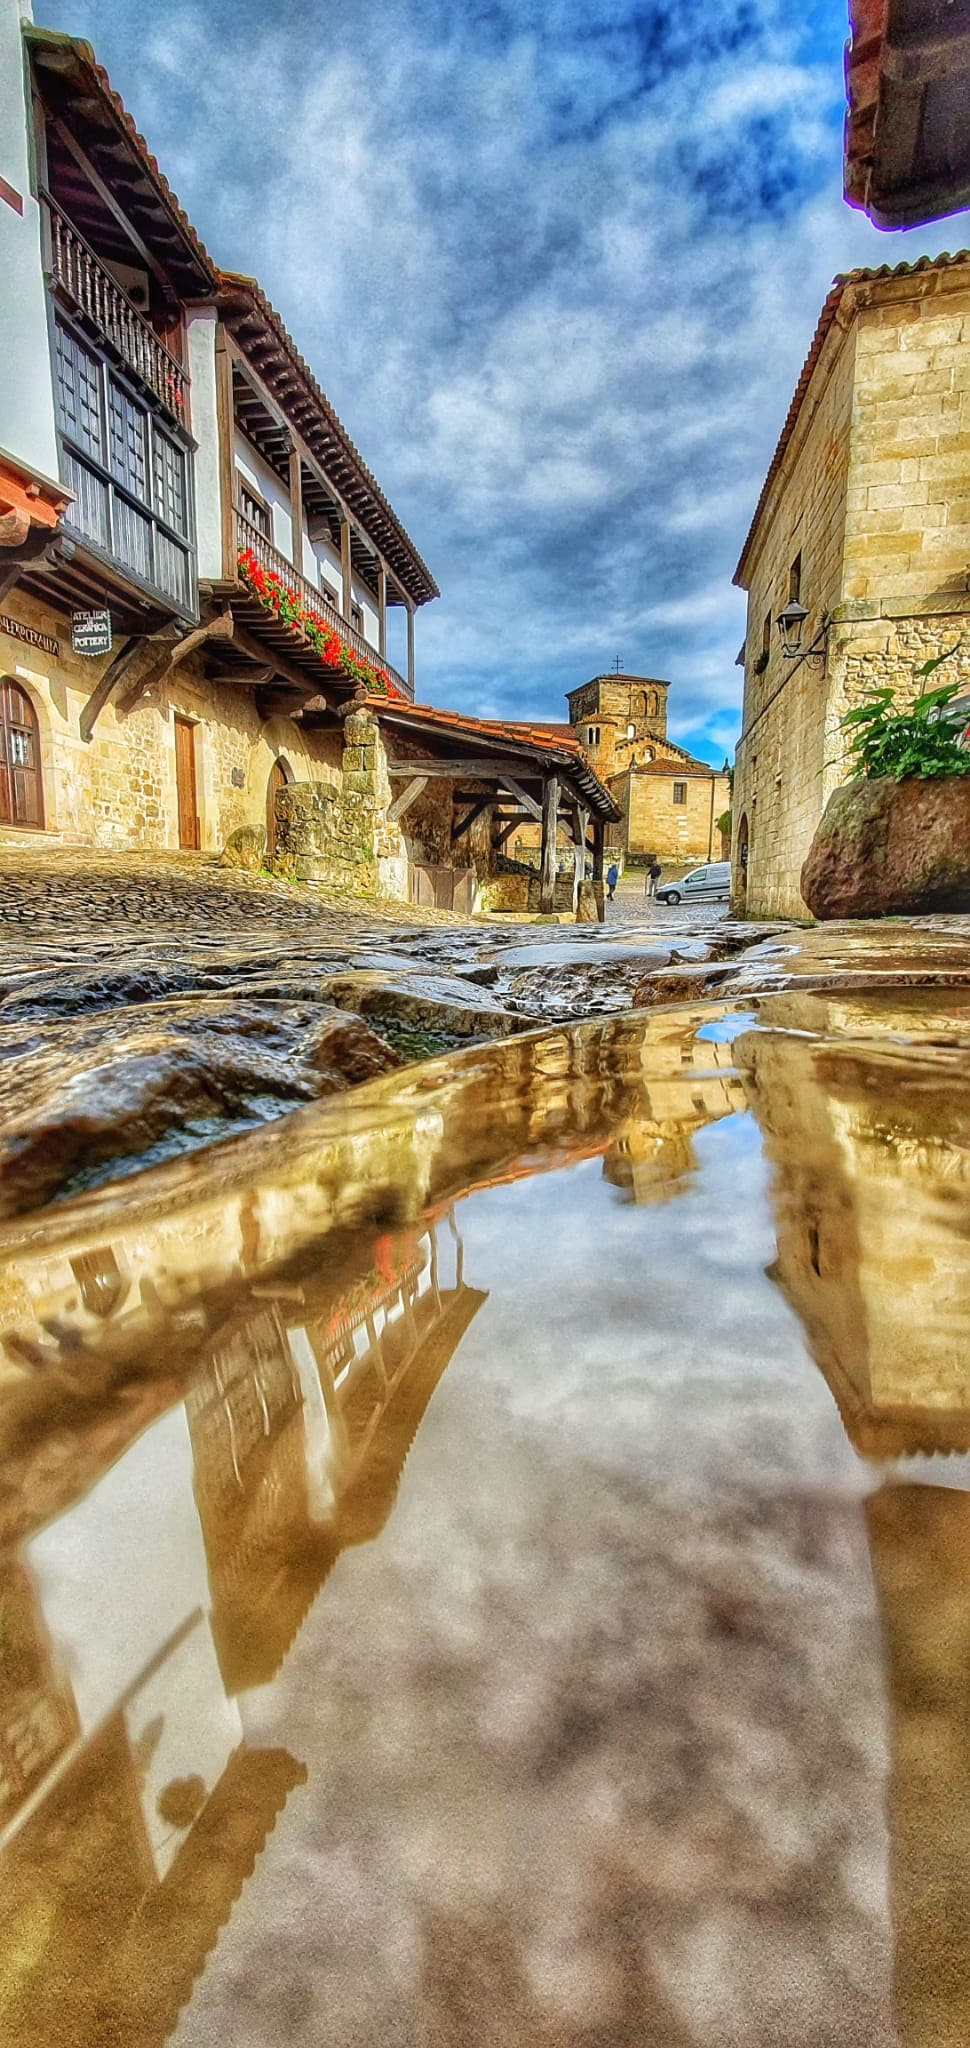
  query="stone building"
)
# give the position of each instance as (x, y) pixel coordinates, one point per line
(199, 575)
(864, 519)
(171, 465)
(669, 801)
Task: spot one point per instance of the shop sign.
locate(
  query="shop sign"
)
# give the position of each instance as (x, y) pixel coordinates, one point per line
(91, 632)
(29, 635)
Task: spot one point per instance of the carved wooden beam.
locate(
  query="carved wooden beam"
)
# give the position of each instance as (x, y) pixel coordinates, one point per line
(14, 526)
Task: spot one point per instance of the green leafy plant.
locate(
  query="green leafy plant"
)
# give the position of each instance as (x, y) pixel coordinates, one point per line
(889, 738)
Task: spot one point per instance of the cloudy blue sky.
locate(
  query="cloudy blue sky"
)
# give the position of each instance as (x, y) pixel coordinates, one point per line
(556, 263)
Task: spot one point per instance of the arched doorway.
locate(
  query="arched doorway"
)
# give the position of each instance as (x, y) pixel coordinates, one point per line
(21, 781)
(743, 843)
(279, 775)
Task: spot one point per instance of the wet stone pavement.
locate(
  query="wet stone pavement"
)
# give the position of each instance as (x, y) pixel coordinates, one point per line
(485, 1556)
(153, 1004)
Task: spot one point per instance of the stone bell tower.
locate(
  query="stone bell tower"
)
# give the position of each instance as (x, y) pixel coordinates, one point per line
(613, 715)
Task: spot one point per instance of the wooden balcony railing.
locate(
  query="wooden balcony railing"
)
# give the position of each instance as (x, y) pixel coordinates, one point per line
(249, 537)
(80, 276)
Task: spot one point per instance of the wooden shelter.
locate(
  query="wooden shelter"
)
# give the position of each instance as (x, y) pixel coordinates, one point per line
(517, 772)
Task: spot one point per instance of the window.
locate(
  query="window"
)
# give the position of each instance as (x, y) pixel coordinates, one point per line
(128, 472)
(254, 507)
(356, 618)
(631, 730)
(766, 637)
(795, 579)
(593, 736)
(329, 594)
(680, 792)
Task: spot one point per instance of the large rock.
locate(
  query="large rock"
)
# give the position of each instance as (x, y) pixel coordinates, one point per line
(341, 1043)
(245, 848)
(887, 846)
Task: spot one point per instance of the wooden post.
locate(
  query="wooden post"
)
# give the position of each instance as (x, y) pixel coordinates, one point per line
(227, 454)
(296, 509)
(346, 567)
(580, 828)
(411, 647)
(550, 816)
(382, 611)
(599, 837)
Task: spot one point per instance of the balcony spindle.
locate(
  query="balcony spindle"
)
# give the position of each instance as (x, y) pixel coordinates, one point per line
(91, 288)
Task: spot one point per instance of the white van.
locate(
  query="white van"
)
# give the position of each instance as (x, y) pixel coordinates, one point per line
(711, 884)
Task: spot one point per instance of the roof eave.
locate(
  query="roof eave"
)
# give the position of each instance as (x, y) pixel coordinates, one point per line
(100, 87)
(232, 286)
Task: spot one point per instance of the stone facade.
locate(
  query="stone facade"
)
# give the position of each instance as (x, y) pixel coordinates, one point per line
(119, 789)
(869, 503)
(664, 793)
(671, 807)
(616, 717)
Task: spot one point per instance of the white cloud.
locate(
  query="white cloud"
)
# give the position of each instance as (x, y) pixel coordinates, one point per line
(557, 268)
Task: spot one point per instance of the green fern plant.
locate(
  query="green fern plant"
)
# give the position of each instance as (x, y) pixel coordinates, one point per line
(888, 738)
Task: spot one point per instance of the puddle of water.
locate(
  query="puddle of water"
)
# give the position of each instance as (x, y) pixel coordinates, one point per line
(479, 1562)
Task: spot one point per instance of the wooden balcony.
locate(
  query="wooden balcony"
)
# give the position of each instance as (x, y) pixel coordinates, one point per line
(248, 537)
(80, 279)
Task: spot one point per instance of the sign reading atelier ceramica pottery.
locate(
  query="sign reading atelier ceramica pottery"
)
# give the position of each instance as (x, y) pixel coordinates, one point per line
(91, 632)
(238, 778)
(28, 634)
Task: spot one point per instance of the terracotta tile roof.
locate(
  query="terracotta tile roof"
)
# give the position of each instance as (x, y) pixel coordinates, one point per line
(683, 765)
(558, 744)
(92, 80)
(27, 499)
(234, 287)
(825, 322)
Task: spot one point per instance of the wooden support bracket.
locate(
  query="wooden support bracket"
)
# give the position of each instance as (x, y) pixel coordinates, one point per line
(480, 804)
(407, 797)
(111, 678)
(221, 628)
(522, 796)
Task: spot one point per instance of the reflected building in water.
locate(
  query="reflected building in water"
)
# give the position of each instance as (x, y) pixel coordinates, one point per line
(870, 1159)
(871, 1171)
(132, 1805)
(689, 1081)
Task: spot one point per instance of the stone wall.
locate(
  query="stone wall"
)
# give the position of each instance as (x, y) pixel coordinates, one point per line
(873, 493)
(119, 790)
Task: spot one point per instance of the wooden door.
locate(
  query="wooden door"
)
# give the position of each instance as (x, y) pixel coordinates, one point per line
(278, 780)
(185, 783)
(21, 785)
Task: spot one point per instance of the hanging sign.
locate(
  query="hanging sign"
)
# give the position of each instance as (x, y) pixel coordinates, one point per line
(28, 634)
(91, 632)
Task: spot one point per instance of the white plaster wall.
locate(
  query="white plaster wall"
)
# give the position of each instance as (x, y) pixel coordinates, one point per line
(327, 568)
(369, 609)
(202, 323)
(26, 383)
(123, 1569)
(250, 464)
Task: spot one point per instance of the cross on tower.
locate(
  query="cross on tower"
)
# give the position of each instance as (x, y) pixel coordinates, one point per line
(616, 664)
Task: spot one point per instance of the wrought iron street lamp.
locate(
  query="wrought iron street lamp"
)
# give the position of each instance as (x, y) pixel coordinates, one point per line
(790, 623)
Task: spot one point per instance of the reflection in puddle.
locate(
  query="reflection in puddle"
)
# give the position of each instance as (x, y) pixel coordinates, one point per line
(391, 1654)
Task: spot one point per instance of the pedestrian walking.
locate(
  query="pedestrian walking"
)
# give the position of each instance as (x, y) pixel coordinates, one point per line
(654, 872)
(612, 877)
